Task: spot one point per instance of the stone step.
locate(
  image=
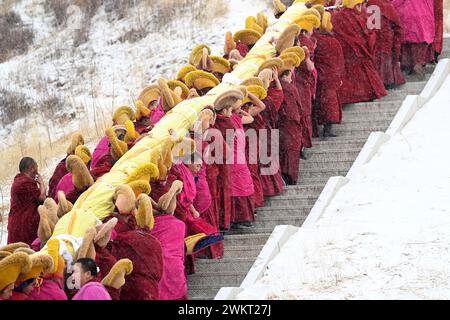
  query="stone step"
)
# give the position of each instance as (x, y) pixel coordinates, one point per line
(326, 163)
(312, 189)
(224, 264)
(322, 155)
(250, 231)
(245, 240)
(321, 174)
(378, 104)
(296, 201)
(205, 292)
(318, 180)
(242, 250)
(368, 113)
(222, 278)
(408, 86)
(379, 119)
(340, 142)
(272, 222)
(358, 132)
(285, 211)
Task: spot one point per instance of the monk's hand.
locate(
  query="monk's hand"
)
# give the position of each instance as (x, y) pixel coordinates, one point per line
(39, 179)
(274, 73)
(195, 214)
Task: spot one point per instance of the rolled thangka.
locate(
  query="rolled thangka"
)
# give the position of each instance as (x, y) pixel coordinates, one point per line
(144, 215)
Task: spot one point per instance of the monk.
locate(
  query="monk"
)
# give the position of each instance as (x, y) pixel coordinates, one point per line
(388, 44)
(60, 171)
(291, 130)
(135, 242)
(27, 193)
(439, 28)
(232, 118)
(85, 270)
(271, 184)
(361, 81)
(170, 232)
(418, 19)
(328, 107)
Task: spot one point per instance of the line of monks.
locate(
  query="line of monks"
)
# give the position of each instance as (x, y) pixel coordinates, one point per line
(176, 207)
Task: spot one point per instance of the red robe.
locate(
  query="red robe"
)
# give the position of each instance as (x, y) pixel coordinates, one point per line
(291, 130)
(271, 184)
(145, 251)
(103, 166)
(439, 26)
(330, 65)
(305, 81)
(361, 82)
(242, 48)
(388, 44)
(60, 171)
(23, 218)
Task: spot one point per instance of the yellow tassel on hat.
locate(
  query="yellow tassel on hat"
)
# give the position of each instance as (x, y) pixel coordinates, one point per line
(140, 187)
(45, 228)
(266, 77)
(327, 25)
(252, 81)
(13, 246)
(167, 203)
(297, 51)
(173, 84)
(144, 215)
(227, 99)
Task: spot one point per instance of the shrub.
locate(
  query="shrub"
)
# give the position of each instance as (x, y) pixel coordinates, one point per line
(15, 37)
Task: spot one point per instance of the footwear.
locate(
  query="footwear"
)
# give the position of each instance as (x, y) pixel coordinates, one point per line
(303, 154)
(327, 131)
(419, 71)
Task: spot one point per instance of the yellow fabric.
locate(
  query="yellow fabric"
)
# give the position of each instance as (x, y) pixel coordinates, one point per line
(96, 202)
(326, 22)
(308, 22)
(84, 153)
(12, 266)
(257, 90)
(351, 3)
(191, 241)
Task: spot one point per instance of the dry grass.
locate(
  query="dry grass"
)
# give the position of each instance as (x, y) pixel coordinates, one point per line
(13, 106)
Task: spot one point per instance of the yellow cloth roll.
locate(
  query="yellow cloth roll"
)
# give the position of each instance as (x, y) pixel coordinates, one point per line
(97, 202)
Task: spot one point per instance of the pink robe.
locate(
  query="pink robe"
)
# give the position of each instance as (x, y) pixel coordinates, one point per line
(92, 291)
(157, 113)
(203, 199)
(170, 232)
(65, 185)
(51, 289)
(101, 149)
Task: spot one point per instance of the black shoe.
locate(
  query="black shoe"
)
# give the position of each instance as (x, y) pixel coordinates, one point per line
(327, 131)
(303, 154)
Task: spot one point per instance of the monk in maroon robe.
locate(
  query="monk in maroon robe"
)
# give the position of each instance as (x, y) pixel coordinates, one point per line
(305, 78)
(60, 171)
(439, 27)
(291, 130)
(388, 45)
(330, 65)
(27, 193)
(361, 82)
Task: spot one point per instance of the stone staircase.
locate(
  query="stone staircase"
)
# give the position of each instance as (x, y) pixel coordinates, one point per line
(327, 158)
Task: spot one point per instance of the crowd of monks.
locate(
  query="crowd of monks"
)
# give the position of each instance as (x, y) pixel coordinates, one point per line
(176, 208)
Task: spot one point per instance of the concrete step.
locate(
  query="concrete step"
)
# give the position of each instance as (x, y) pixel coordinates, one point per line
(318, 180)
(224, 264)
(245, 240)
(312, 189)
(416, 86)
(296, 201)
(368, 113)
(285, 211)
(339, 142)
(358, 132)
(205, 292)
(379, 119)
(272, 222)
(393, 105)
(242, 250)
(250, 231)
(326, 163)
(222, 278)
(322, 174)
(330, 154)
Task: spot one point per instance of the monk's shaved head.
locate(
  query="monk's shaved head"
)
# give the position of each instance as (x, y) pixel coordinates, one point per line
(26, 164)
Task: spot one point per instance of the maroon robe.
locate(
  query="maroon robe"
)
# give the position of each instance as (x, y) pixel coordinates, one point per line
(60, 171)
(242, 48)
(271, 184)
(439, 26)
(361, 82)
(329, 61)
(388, 44)
(23, 218)
(305, 81)
(103, 166)
(291, 130)
(145, 251)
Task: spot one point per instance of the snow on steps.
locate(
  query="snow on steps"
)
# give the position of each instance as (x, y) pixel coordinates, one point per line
(404, 114)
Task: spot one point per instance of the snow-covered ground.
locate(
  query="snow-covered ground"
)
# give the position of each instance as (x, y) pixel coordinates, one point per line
(102, 73)
(386, 233)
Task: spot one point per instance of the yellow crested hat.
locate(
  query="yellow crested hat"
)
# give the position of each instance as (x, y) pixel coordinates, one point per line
(252, 81)
(327, 25)
(220, 65)
(229, 43)
(84, 153)
(76, 140)
(262, 21)
(296, 50)
(149, 94)
(172, 84)
(141, 110)
(123, 114)
(257, 90)
(308, 22)
(252, 24)
(287, 38)
(118, 147)
(12, 266)
(351, 3)
(197, 53)
(170, 99)
(247, 36)
(279, 7)
(140, 187)
(184, 71)
(201, 79)
(144, 215)
(41, 263)
(291, 59)
(271, 63)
